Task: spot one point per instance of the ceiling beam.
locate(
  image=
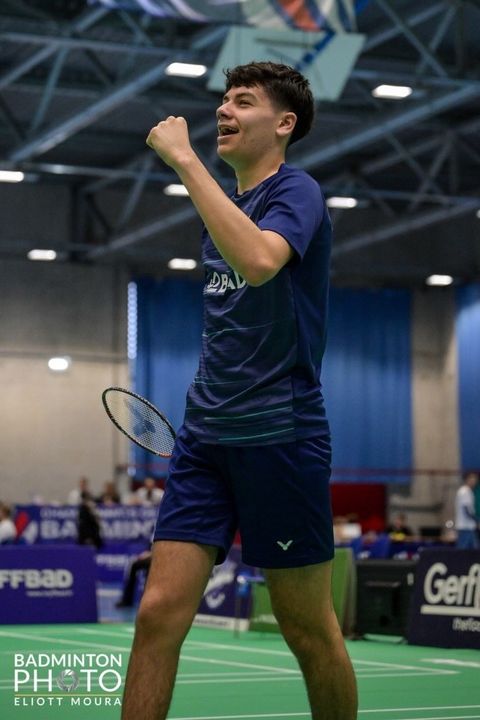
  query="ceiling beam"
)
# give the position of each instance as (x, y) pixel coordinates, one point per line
(56, 135)
(159, 225)
(83, 43)
(408, 225)
(392, 31)
(393, 122)
(424, 51)
(82, 23)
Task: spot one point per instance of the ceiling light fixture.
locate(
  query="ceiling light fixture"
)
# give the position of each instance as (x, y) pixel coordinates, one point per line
(42, 254)
(439, 280)
(186, 69)
(182, 264)
(342, 202)
(59, 364)
(176, 190)
(392, 92)
(11, 176)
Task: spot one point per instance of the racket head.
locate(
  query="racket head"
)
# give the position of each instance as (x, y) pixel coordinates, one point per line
(139, 420)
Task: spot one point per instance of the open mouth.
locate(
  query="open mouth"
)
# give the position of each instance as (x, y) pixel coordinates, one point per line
(224, 130)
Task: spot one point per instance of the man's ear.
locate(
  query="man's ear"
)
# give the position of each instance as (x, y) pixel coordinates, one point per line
(286, 124)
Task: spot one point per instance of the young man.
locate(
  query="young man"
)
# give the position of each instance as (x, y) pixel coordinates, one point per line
(254, 450)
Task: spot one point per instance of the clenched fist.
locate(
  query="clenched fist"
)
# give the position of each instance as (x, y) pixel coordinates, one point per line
(170, 140)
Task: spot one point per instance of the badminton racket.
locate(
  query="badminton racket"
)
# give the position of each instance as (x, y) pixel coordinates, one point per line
(139, 420)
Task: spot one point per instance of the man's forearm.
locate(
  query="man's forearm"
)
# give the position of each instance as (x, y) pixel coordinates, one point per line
(236, 237)
(254, 254)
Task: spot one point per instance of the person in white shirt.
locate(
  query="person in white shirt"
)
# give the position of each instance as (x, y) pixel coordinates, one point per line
(8, 531)
(149, 493)
(466, 520)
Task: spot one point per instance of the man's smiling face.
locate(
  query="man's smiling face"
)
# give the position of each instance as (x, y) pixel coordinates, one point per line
(247, 122)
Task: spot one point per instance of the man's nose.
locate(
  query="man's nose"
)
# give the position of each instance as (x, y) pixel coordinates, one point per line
(222, 112)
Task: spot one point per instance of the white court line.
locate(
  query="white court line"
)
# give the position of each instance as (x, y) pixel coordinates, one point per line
(379, 672)
(280, 671)
(239, 648)
(452, 661)
(379, 666)
(88, 631)
(60, 641)
(387, 675)
(233, 663)
(423, 709)
(443, 717)
(396, 666)
(218, 680)
(286, 653)
(305, 714)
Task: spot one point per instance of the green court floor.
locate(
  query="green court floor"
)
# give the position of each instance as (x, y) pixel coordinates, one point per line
(76, 671)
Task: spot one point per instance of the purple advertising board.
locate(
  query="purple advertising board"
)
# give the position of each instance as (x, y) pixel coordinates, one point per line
(47, 584)
(58, 523)
(225, 602)
(445, 610)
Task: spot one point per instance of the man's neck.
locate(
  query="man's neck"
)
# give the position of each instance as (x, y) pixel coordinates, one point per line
(250, 176)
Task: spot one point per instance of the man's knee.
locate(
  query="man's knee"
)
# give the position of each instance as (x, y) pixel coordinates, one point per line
(306, 638)
(163, 614)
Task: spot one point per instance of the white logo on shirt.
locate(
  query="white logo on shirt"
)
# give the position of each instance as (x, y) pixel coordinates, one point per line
(285, 545)
(221, 282)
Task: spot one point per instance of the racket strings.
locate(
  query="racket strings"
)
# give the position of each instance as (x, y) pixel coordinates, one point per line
(142, 423)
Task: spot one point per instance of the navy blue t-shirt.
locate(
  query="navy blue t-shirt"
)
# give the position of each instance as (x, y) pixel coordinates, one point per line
(258, 380)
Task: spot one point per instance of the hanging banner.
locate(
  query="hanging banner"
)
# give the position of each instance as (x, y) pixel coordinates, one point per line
(334, 15)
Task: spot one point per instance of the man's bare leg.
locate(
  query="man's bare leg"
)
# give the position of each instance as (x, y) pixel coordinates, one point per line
(177, 579)
(301, 601)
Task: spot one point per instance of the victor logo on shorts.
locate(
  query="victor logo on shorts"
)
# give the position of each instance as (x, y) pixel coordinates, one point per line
(285, 545)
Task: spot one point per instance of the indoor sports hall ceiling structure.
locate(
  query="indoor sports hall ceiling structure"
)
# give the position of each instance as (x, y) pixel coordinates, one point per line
(82, 83)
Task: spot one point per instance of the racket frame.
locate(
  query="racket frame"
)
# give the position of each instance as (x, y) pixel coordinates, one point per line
(152, 407)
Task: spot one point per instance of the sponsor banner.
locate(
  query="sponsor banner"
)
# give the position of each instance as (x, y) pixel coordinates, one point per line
(114, 561)
(47, 584)
(58, 523)
(223, 597)
(445, 609)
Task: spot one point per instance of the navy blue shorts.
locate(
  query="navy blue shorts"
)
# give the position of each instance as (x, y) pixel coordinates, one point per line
(278, 496)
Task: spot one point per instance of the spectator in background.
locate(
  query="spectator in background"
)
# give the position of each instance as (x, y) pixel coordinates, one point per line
(110, 494)
(142, 562)
(466, 519)
(149, 493)
(88, 523)
(8, 531)
(398, 528)
(75, 496)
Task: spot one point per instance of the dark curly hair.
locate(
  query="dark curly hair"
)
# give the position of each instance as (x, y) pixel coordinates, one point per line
(285, 86)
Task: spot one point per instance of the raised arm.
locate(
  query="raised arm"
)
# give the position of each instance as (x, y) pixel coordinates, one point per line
(257, 255)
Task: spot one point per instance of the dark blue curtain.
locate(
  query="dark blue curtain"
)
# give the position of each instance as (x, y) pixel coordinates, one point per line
(468, 344)
(366, 373)
(367, 383)
(169, 327)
